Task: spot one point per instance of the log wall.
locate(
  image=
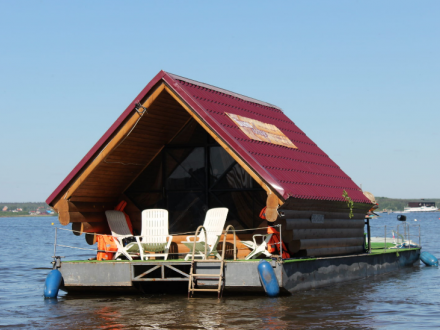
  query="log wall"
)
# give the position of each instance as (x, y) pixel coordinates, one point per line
(322, 228)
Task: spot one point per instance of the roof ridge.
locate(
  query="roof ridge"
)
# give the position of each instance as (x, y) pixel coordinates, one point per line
(225, 91)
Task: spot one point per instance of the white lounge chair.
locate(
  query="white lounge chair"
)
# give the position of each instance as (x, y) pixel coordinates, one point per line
(214, 223)
(119, 228)
(258, 249)
(155, 236)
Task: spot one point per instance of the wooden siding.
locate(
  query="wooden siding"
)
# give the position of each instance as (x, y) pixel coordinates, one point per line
(333, 233)
(107, 181)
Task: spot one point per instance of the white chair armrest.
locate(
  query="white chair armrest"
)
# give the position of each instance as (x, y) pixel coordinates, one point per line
(188, 238)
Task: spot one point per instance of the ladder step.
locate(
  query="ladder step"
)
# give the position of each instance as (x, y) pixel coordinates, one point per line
(206, 275)
(210, 290)
(210, 279)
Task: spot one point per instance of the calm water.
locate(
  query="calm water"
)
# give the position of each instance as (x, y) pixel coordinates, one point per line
(407, 299)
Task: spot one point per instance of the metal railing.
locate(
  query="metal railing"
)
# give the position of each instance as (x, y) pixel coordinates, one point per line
(400, 237)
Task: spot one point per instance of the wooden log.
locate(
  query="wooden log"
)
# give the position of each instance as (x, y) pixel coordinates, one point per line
(301, 234)
(94, 199)
(290, 214)
(331, 242)
(293, 246)
(271, 207)
(69, 217)
(295, 224)
(63, 218)
(90, 227)
(329, 209)
(89, 207)
(90, 238)
(325, 206)
(77, 211)
(334, 251)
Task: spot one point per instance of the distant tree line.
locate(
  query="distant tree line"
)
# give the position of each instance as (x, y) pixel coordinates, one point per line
(395, 204)
(25, 206)
(386, 203)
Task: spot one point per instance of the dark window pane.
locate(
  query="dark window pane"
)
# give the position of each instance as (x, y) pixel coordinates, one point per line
(236, 178)
(186, 168)
(244, 206)
(192, 134)
(150, 178)
(220, 161)
(177, 181)
(186, 211)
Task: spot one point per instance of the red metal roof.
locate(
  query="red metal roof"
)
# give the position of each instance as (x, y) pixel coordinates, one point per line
(306, 172)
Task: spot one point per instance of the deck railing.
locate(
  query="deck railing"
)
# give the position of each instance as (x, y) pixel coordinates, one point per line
(402, 236)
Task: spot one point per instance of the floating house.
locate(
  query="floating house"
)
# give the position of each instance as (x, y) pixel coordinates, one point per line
(187, 147)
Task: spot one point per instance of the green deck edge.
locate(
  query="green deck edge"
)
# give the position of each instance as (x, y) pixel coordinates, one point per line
(380, 245)
(169, 260)
(374, 252)
(383, 251)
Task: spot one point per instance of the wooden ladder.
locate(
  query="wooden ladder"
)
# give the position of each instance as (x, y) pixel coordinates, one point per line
(221, 279)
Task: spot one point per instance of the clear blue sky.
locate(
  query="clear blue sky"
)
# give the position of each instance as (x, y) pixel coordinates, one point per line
(360, 78)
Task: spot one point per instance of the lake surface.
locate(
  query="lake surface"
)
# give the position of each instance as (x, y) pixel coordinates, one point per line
(406, 299)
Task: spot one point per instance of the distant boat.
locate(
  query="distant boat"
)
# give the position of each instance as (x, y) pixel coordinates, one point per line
(421, 207)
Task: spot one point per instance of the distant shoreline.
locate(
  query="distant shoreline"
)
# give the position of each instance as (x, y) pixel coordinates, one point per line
(28, 215)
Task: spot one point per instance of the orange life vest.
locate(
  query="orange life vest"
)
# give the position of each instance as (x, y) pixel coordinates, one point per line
(273, 244)
(106, 247)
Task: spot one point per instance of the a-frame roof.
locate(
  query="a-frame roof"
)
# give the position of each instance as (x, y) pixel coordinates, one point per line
(305, 173)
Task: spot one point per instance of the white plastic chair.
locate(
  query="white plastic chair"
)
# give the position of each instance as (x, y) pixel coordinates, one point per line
(214, 223)
(256, 248)
(155, 233)
(119, 228)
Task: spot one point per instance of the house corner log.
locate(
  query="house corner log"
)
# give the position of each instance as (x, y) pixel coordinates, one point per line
(71, 212)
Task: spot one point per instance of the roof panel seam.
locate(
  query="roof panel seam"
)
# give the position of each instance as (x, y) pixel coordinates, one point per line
(306, 172)
(279, 146)
(357, 200)
(246, 110)
(318, 185)
(293, 159)
(235, 97)
(205, 99)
